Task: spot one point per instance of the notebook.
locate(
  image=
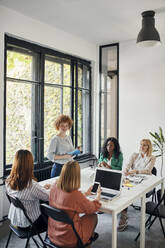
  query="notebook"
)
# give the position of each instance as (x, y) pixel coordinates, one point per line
(110, 181)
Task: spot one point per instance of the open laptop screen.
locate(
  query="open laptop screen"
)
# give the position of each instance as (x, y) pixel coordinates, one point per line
(108, 179)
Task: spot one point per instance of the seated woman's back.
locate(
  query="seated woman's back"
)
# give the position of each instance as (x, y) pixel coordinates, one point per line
(22, 184)
(65, 195)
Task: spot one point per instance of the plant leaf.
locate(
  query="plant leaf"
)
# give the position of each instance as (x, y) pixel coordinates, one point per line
(161, 135)
(152, 135)
(158, 155)
(158, 137)
(155, 150)
(156, 144)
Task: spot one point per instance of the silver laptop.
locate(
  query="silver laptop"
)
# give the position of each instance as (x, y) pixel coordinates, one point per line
(110, 181)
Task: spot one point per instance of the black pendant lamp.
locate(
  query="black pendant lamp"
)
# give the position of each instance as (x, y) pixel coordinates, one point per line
(148, 35)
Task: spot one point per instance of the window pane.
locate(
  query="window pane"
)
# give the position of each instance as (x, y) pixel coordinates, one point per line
(67, 75)
(109, 84)
(53, 72)
(18, 118)
(109, 64)
(80, 76)
(80, 129)
(51, 112)
(109, 110)
(86, 78)
(86, 121)
(67, 101)
(19, 65)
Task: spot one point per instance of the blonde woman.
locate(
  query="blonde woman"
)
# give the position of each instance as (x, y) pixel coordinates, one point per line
(142, 162)
(139, 163)
(22, 184)
(65, 195)
(60, 145)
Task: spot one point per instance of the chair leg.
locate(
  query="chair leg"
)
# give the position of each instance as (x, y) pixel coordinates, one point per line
(137, 237)
(27, 242)
(148, 220)
(8, 238)
(162, 226)
(35, 242)
(155, 197)
(152, 222)
(41, 240)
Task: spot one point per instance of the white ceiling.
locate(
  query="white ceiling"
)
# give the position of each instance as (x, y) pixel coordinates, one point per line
(98, 21)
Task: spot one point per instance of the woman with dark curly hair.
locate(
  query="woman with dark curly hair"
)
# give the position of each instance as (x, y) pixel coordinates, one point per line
(111, 157)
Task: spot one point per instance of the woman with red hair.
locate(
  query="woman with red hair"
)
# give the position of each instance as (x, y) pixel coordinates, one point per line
(61, 146)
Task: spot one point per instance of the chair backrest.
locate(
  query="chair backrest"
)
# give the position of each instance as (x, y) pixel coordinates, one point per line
(159, 196)
(18, 204)
(61, 216)
(55, 214)
(160, 202)
(154, 171)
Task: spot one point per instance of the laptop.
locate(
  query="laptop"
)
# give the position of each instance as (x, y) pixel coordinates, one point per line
(110, 181)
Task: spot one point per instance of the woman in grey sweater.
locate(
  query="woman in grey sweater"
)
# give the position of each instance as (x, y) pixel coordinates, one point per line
(60, 145)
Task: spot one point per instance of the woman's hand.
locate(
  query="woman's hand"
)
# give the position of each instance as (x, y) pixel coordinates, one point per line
(131, 172)
(67, 156)
(79, 148)
(108, 166)
(126, 172)
(47, 186)
(98, 193)
(88, 191)
(104, 164)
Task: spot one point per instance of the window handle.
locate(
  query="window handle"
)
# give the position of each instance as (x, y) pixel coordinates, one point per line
(34, 137)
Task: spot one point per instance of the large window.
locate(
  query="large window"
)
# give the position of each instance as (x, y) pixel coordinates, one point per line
(109, 94)
(41, 84)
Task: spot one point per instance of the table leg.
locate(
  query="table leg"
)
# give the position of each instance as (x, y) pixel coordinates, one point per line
(142, 222)
(114, 230)
(162, 188)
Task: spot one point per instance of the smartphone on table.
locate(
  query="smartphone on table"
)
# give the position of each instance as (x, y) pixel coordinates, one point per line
(95, 188)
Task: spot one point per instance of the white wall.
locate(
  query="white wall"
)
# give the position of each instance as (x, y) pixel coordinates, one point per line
(141, 94)
(29, 29)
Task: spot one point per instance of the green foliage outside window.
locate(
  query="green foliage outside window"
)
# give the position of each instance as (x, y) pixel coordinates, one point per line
(19, 101)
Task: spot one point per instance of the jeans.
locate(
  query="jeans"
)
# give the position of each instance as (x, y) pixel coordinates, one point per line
(56, 170)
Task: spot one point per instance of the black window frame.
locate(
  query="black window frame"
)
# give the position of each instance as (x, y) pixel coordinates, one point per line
(100, 91)
(42, 52)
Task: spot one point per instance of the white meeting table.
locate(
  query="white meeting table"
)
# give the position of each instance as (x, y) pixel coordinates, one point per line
(127, 197)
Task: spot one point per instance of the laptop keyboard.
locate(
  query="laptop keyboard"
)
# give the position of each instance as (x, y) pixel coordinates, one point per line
(107, 194)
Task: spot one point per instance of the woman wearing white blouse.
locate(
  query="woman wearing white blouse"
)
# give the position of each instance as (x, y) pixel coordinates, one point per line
(139, 163)
(142, 162)
(22, 184)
